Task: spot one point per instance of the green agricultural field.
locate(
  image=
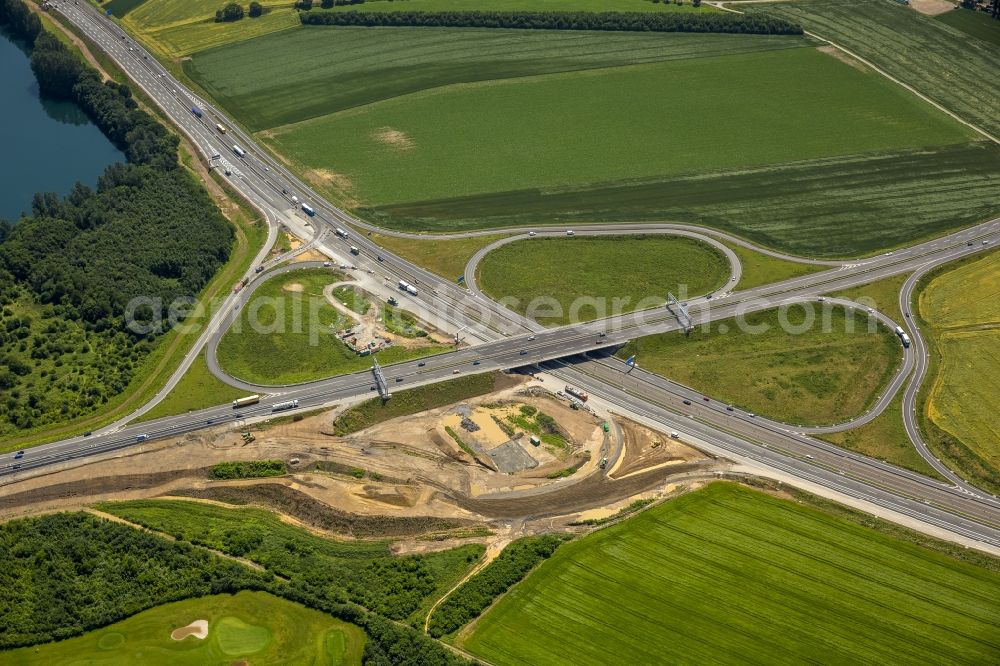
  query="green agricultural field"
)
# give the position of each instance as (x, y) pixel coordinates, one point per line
(960, 311)
(294, 339)
(728, 574)
(264, 83)
(817, 374)
(834, 207)
(976, 24)
(177, 28)
(927, 54)
(360, 570)
(627, 123)
(561, 280)
(252, 627)
(515, 5)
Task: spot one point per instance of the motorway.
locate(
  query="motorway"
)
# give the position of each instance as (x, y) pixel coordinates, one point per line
(504, 336)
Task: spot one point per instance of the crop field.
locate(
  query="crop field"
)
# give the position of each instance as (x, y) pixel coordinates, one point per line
(361, 570)
(292, 339)
(529, 5)
(253, 627)
(839, 207)
(726, 574)
(961, 312)
(927, 54)
(975, 24)
(562, 280)
(816, 373)
(179, 28)
(264, 83)
(511, 134)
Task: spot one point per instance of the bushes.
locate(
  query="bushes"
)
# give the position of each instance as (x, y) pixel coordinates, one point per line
(64, 574)
(233, 11)
(249, 469)
(476, 594)
(761, 24)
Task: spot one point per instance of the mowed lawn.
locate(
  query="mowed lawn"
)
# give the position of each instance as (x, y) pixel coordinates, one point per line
(265, 82)
(692, 115)
(568, 280)
(730, 575)
(293, 339)
(816, 373)
(961, 309)
(253, 627)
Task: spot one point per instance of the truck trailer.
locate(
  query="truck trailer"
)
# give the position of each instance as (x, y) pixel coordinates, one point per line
(239, 151)
(905, 339)
(341, 232)
(288, 404)
(577, 393)
(308, 209)
(196, 111)
(244, 402)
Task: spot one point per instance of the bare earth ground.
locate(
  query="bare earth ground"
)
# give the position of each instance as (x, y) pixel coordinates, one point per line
(413, 475)
(932, 7)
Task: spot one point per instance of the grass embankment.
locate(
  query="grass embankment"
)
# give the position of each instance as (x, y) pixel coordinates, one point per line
(293, 339)
(882, 295)
(360, 570)
(975, 24)
(264, 84)
(253, 627)
(414, 400)
(352, 299)
(760, 269)
(176, 28)
(925, 53)
(463, 140)
(446, 258)
(561, 280)
(818, 373)
(737, 573)
(960, 315)
(312, 512)
(198, 389)
(884, 438)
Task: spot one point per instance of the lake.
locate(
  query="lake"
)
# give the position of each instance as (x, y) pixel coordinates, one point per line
(45, 146)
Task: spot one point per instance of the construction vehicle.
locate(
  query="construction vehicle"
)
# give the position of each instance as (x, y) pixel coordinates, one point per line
(603, 463)
(577, 393)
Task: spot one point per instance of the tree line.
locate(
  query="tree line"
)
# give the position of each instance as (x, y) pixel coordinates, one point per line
(717, 22)
(65, 574)
(148, 230)
(478, 592)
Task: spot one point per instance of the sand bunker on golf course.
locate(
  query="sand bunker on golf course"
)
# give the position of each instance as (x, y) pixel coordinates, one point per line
(198, 629)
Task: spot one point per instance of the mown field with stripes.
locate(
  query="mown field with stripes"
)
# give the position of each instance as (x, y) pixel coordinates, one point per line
(731, 575)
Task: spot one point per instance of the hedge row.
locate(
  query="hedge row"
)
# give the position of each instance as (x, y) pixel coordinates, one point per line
(760, 24)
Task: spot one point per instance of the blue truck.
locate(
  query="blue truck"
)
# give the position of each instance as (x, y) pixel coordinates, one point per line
(196, 111)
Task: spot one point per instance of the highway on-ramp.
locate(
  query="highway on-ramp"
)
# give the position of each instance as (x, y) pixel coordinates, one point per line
(954, 508)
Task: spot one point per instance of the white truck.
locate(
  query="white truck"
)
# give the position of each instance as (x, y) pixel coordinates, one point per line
(407, 287)
(905, 339)
(287, 404)
(309, 210)
(340, 232)
(239, 151)
(354, 250)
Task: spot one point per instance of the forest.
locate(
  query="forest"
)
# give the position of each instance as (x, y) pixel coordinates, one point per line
(760, 24)
(71, 269)
(64, 574)
(478, 592)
